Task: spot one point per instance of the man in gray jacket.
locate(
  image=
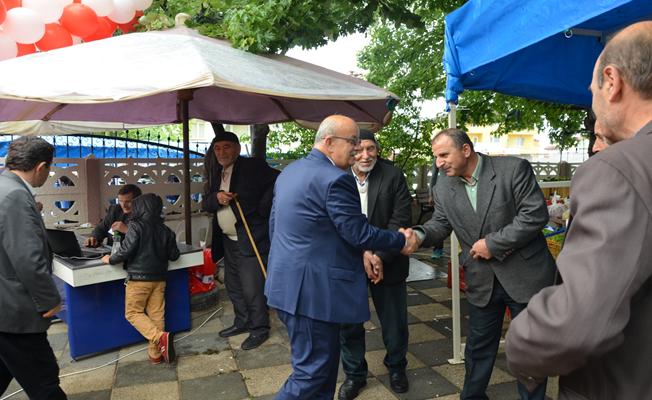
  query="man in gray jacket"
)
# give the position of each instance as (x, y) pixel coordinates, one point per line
(28, 296)
(497, 211)
(594, 329)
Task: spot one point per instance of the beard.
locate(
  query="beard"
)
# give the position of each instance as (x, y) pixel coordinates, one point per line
(365, 168)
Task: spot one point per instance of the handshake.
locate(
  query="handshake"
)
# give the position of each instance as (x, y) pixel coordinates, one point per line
(373, 265)
(412, 242)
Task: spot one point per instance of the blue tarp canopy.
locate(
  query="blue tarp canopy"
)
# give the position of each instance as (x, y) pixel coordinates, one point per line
(543, 50)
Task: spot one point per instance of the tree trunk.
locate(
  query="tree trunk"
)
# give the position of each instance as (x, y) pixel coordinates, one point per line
(589, 125)
(259, 134)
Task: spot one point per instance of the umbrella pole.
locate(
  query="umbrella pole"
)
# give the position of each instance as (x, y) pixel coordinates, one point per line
(183, 98)
(458, 351)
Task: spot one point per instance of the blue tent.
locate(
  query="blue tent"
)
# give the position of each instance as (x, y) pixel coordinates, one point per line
(538, 49)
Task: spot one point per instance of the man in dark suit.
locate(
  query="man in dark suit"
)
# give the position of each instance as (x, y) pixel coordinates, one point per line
(116, 218)
(252, 181)
(28, 295)
(497, 211)
(316, 277)
(593, 330)
(386, 201)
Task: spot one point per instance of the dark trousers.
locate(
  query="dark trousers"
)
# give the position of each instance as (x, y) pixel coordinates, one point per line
(390, 302)
(483, 339)
(245, 284)
(315, 358)
(28, 357)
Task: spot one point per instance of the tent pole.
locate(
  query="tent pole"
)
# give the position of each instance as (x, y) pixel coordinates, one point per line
(458, 352)
(183, 98)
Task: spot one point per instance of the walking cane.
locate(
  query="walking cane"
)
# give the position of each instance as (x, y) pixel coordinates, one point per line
(251, 238)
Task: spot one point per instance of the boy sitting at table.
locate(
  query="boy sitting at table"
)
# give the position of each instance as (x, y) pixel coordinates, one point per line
(145, 251)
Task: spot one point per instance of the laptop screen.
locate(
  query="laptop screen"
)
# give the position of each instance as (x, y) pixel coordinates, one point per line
(64, 243)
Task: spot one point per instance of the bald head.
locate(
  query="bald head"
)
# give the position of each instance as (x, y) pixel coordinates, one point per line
(631, 52)
(338, 137)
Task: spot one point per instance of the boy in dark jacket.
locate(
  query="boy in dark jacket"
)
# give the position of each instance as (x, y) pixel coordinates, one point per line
(145, 251)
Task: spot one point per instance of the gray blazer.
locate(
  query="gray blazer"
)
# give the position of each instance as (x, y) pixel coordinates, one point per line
(511, 211)
(594, 329)
(26, 286)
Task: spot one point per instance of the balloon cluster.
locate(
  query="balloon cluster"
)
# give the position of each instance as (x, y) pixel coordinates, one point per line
(30, 25)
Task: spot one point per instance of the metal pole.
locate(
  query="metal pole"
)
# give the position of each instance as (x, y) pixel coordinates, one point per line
(458, 352)
(183, 98)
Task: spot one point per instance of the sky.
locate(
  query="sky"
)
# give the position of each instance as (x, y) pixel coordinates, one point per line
(340, 56)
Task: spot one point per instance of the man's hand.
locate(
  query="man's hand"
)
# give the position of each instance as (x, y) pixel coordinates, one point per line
(91, 242)
(105, 258)
(120, 227)
(224, 198)
(480, 250)
(412, 241)
(373, 266)
(53, 311)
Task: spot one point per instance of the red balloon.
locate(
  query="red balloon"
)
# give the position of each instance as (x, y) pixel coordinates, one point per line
(56, 36)
(79, 19)
(9, 4)
(105, 30)
(3, 12)
(25, 49)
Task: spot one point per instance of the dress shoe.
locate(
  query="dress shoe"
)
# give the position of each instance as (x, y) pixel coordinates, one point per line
(231, 331)
(350, 389)
(254, 341)
(398, 381)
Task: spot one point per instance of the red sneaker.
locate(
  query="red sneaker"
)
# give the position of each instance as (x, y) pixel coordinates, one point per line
(166, 347)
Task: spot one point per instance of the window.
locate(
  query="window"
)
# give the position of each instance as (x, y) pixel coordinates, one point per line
(520, 142)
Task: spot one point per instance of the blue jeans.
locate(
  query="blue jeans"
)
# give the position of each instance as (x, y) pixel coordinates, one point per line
(483, 339)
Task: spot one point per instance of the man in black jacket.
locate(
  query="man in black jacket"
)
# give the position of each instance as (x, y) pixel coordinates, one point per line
(252, 181)
(28, 295)
(117, 216)
(386, 201)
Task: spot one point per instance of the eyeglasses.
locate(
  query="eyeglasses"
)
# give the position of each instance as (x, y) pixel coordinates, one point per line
(352, 141)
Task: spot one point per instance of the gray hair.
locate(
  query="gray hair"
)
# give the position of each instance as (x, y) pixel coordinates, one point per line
(631, 54)
(459, 137)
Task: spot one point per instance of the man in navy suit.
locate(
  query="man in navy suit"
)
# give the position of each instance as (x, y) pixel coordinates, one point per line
(316, 277)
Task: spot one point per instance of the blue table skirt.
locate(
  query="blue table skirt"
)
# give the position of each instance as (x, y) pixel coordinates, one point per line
(95, 314)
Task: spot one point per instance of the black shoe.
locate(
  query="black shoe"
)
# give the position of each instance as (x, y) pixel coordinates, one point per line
(254, 341)
(398, 381)
(350, 389)
(232, 331)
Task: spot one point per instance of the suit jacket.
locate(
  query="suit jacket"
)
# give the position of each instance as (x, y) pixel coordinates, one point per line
(253, 180)
(389, 206)
(594, 328)
(26, 286)
(511, 211)
(318, 234)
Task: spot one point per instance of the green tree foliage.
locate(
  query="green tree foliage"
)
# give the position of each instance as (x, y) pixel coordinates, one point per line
(404, 56)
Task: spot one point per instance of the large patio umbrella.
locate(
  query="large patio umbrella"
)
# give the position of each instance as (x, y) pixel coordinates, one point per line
(171, 76)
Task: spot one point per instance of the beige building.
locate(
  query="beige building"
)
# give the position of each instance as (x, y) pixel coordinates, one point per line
(520, 142)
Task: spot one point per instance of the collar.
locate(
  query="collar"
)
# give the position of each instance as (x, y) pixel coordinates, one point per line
(476, 173)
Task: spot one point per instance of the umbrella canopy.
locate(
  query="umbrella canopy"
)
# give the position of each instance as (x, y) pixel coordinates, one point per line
(135, 79)
(542, 50)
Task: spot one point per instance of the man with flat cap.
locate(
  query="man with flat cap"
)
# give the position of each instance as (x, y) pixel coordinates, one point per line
(252, 181)
(386, 201)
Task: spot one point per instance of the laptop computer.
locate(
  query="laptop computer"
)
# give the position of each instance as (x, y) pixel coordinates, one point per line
(65, 244)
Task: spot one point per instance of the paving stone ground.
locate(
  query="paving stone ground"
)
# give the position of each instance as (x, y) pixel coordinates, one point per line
(209, 367)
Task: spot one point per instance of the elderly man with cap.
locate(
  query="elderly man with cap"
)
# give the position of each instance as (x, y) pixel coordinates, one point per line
(386, 201)
(250, 182)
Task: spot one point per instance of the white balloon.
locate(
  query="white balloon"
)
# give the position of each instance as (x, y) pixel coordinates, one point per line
(8, 48)
(123, 11)
(49, 10)
(142, 4)
(24, 25)
(101, 7)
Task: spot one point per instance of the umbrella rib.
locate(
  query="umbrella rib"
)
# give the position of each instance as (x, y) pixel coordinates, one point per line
(50, 113)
